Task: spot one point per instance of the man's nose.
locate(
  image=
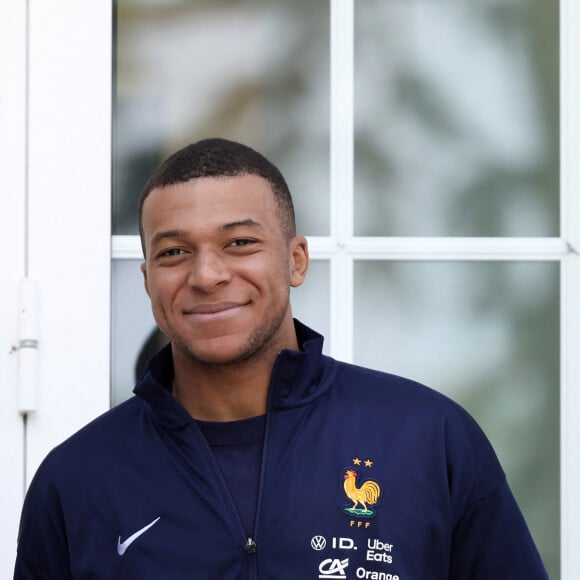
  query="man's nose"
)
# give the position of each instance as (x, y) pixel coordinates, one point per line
(209, 271)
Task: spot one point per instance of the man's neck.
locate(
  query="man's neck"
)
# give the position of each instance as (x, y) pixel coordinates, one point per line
(222, 393)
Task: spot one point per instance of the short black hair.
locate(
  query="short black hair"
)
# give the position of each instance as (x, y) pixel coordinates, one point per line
(220, 158)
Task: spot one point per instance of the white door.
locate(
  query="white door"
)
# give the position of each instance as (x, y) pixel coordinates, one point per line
(12, 238)
(55, 158)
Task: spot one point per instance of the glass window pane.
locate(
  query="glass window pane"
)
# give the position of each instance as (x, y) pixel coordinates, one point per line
(135, 336)
(456, 118)
(487, 335)
(254, 71)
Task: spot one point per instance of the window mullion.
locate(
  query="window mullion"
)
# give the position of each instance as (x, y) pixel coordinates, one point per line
(475, 248)
(341, 175)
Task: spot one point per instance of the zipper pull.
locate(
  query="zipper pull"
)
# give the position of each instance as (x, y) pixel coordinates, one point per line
(250, 547)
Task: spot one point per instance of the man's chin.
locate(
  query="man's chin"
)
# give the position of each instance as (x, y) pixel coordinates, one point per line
(218, 353)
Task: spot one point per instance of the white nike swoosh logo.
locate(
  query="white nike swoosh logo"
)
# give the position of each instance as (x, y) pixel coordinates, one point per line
(122, 546)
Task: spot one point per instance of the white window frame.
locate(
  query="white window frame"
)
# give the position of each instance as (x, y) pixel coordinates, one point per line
(570, 288)
(59, 103)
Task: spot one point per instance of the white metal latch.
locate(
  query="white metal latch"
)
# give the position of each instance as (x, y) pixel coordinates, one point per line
(28, 340)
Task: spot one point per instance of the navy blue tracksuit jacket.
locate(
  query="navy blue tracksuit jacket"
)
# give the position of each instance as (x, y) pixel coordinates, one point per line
(364, 475)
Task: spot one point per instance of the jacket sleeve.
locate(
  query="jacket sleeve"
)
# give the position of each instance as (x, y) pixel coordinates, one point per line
(492, 540)
(42, 552)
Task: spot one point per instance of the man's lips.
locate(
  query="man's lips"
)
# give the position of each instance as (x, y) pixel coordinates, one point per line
(213, 311)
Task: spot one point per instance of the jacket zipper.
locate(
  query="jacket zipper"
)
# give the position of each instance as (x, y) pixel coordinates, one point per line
(251, 545)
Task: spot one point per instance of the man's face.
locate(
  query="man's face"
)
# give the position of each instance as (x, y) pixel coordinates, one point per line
(219, 268)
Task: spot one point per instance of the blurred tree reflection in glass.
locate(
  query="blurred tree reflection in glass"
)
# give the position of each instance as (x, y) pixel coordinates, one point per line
(486, 334)
(253, 71)
(456, 118)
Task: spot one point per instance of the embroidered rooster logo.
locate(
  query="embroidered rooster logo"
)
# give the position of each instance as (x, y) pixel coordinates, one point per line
(367, 494)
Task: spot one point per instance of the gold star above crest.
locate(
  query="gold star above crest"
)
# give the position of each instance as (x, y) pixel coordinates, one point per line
(356, 461)
(368, 463)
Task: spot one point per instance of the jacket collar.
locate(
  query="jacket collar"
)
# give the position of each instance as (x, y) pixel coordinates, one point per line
(298, 377)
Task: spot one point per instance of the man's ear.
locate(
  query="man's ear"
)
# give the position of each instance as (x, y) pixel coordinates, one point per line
(299, 260)
(145, 281)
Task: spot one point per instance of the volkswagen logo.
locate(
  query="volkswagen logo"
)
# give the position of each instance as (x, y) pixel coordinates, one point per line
(318, 543)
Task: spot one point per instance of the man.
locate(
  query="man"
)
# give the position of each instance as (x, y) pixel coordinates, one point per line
(245, 452)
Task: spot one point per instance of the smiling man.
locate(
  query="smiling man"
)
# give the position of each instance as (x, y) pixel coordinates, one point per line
(220, 261)
(248, 454)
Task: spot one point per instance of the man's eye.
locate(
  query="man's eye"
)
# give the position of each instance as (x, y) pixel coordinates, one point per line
(242, 242)
(172, 252)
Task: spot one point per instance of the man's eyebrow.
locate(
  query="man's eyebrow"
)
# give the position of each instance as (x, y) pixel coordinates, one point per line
(168, 234)
(165, 234)
(240, 223)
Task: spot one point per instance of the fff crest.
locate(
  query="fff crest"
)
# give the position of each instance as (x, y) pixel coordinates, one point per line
(363, 492)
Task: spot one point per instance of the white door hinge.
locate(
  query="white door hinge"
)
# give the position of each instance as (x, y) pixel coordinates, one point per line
(28, 342)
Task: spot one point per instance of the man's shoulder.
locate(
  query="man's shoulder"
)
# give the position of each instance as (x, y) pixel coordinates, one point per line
(394, 398)
(108, 423)
(424, 415)
(394, 390)
(107, 434)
